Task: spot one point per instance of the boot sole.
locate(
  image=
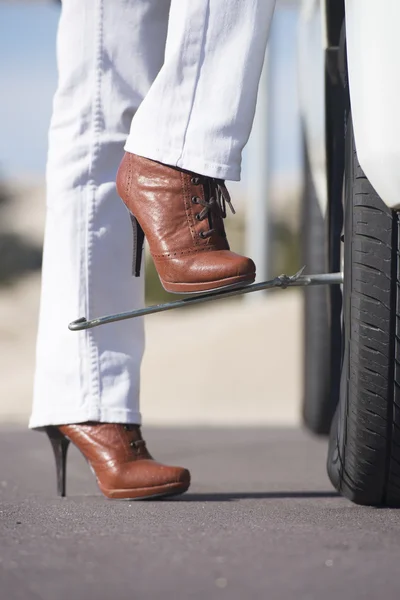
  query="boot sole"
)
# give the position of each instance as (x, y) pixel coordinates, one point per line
(208, 286)
(171, 489)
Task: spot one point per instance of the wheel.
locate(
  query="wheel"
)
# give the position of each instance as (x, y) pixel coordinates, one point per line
(364, 445)
(317, 413)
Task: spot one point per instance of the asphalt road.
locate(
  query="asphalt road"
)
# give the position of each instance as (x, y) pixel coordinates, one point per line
(260, 522)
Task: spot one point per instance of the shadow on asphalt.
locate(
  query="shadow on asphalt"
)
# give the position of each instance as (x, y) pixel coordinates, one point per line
(230, 496)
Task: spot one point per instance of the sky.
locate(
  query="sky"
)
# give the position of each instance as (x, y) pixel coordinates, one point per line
(28, 78)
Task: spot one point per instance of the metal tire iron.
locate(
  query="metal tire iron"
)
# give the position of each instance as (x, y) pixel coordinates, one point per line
(282, 281)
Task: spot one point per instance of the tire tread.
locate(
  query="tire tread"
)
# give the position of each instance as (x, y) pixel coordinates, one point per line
(368, 469)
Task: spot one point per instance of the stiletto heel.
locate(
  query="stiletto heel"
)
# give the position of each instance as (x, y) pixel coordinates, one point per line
(60, 448)
(138, 242)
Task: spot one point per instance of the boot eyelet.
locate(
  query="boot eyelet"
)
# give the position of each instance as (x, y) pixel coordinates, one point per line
(197, 217)
(195, 200)
(201, 234)
(195, 180)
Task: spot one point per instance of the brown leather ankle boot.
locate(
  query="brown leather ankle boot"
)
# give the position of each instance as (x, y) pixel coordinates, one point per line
(181, 214)
(118, 456)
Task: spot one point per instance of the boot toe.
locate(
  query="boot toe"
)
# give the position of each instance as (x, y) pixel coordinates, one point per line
(164, 476)
(245, 266)
(224, 264)
(209, 267)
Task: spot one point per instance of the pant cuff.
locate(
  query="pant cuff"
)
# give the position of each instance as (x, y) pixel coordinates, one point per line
(188, 162)
(125, 417)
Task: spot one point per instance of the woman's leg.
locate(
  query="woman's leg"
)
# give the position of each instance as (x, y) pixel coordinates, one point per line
(188, 136)
(199, 111)
(108, 56)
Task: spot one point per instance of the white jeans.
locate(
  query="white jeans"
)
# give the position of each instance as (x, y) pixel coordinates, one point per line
(183, 77)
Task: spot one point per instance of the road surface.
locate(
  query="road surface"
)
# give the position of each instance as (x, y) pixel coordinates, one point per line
(261, 521)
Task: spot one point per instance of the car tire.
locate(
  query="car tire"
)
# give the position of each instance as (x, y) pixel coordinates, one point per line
(364, 445)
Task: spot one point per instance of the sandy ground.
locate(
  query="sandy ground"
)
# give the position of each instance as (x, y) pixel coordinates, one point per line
(230, 364)
(236, 362)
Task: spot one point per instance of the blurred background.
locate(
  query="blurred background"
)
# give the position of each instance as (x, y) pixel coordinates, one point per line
(254, 369)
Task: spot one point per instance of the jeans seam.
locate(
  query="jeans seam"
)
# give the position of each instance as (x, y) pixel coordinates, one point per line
(95, 385)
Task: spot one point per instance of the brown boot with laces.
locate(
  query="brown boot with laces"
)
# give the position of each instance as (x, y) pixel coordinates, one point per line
(181, 214)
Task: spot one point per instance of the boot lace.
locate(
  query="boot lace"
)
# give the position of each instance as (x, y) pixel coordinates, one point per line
(216, 197)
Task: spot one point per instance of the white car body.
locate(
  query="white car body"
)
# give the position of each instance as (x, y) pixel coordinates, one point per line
(311, 61)
(373, 51)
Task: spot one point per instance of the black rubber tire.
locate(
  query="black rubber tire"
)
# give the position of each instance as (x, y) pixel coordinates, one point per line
(318, 405)
(364, 446)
